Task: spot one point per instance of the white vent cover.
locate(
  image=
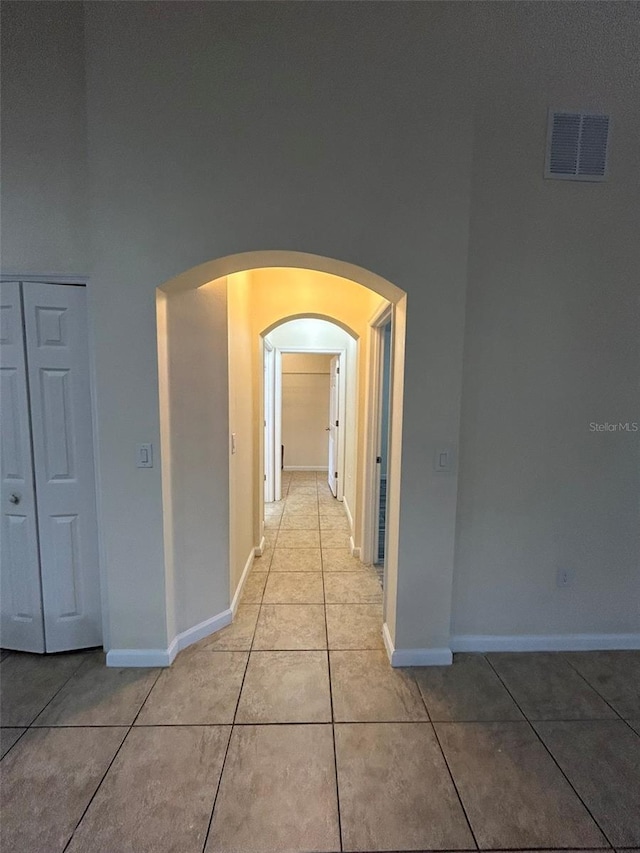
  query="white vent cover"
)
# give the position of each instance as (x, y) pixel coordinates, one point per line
(577, 146)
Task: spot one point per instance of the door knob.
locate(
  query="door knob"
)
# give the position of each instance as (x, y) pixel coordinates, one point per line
(14, 499)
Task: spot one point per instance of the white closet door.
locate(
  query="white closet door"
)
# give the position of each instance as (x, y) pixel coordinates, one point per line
(21, 625)
(57, 359)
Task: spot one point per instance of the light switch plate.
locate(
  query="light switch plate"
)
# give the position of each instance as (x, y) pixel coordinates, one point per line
(144, 455)
(443, 459)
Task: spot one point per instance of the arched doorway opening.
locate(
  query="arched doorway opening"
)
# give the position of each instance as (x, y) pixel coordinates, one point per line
(211, 326)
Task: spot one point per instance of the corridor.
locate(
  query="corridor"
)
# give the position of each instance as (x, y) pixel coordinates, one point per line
(289, 731)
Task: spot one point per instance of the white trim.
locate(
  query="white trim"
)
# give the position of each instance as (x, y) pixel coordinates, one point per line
(543, 642)
(305, 468)
(415, 657)
(242, 581)
(355, 551)
(140, 657)
(164, 657)
(259, 549)
(347, 509)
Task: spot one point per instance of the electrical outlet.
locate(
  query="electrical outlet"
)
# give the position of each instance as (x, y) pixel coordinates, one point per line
(564, 578)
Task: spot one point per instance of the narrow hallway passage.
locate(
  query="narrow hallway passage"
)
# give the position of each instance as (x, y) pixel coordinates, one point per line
(289, 732)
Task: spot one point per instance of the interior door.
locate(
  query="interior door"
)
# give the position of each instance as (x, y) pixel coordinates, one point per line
(334, 390)
(21, 623)
(59, 392)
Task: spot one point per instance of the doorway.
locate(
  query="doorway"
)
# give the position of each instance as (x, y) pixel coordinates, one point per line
(264, 291)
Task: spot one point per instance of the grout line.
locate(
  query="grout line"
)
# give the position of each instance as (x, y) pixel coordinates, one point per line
(62, 686)
(546, 748)
(451, 776)
(595, 689)
(98, 786)
(333, 724)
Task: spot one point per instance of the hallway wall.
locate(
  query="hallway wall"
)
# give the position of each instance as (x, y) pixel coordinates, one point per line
(278, 292)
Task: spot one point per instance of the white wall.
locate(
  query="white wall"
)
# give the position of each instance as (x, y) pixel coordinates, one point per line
(305, 409)
(378, 160)
(45, 203)
(552, 338)
(196, 394)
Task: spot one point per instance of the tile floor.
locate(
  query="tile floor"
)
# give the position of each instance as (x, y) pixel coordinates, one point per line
(289, 731)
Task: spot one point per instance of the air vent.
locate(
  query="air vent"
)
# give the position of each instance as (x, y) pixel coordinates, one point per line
(577, 146)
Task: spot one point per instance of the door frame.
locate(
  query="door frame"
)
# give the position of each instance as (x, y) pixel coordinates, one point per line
(268, 392)
(277, 413)
(374, 429)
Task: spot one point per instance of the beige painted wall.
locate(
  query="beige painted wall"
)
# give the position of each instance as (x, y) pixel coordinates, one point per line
(305, 409)
(241, 424)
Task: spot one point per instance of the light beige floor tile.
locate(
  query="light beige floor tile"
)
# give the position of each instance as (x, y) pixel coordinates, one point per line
(335, 523)
(352, 588)
(158, 794)
(7, 739)
(615, 675)
(334, 539)
(294, 588)
(273, 509)
(301, 505)
(395, 790)
(286, 687)
(198, 689)
(303, 490)
(330, 510)
(278, 792)
(299, 521)
(283, 627)
(354, 626)
(29, 682)
(262, 563)
(467, 690)
(366, 688)
(601, 759)
(48, 780)
(546, 687)
(513, 793)
(237, 637)
(254, 588)
(98, 695)
(298, 539)
(296, 560)
(340, 560)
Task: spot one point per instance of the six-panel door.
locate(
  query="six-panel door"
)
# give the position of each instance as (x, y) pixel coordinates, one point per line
(50, 561)
(21, 625)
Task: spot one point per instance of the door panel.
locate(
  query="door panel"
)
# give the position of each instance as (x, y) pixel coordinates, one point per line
(57, 348)
(334, 389)
(21, 623)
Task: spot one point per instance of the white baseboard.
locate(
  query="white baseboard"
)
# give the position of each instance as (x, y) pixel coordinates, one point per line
(303, 468)
(139, 657)
(165, 657)
(243, 579)
(259, 550)
(415, 657)
(543, 642)
(355, 551)
(347, 509)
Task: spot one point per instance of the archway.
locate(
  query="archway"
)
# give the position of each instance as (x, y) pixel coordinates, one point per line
(207, 449)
